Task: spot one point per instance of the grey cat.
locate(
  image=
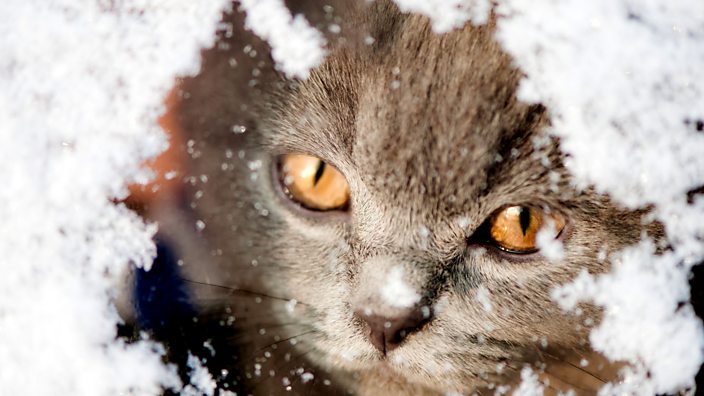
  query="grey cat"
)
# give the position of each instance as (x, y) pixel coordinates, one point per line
(371, 229)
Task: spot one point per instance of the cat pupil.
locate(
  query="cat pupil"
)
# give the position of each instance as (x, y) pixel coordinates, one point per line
(319, 172)
(524, 219)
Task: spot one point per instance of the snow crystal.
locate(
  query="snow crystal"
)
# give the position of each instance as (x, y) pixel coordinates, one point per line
(201, 382)
(295, 45)
(622, 118)
(550, 247)
(82, 87)
(306, 377)
(446, 15)
(483, 298)
(530, 385)
(396, 292)
(291, 305)
(660, 336)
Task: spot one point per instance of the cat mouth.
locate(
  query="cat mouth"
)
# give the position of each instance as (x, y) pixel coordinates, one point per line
(384, 367)
(393, 365)
(392, 370)
(389, 371)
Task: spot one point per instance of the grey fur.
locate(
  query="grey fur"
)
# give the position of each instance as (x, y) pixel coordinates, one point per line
(431, 138)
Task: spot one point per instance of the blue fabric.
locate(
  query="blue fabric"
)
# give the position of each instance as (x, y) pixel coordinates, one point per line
(160, 295)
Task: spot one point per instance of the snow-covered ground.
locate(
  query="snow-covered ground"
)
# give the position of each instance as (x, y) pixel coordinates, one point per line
(82, 87)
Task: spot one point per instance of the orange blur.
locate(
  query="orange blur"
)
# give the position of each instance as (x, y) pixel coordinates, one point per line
(162, 189)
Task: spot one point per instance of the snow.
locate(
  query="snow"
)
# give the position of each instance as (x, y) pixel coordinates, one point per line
(483, 297)
(82, 86)
(623, 117)
(291, 305)
(550, 247)
(295, 45)
(659, 337)
(530, 384)
(202, 383)
(448, 14)
(307, 377)
(397, 293)
(624, 82)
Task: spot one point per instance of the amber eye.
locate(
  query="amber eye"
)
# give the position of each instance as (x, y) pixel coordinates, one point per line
(514, 229)
(313, 183)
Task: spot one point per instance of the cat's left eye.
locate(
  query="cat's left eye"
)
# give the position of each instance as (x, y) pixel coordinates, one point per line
(313, 183)
(514, 229)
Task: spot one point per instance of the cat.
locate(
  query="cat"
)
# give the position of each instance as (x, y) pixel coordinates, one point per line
(372, 229)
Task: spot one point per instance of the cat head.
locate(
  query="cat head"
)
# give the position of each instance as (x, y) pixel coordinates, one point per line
(406, 213)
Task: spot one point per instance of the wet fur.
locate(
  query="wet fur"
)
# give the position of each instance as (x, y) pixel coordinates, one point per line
(427, 162)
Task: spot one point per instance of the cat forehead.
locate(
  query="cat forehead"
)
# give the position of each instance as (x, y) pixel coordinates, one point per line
(417, 110)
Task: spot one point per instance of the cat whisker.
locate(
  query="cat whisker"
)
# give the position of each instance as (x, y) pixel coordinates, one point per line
(514, 326)
(255, 319)
(268, 325)
(560, 380)
(247, 333)
(288, 339)
(580, 368)
(564, 373)
(240, 290)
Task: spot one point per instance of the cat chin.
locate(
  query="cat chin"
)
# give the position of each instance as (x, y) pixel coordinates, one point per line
(398, 373)
(384, 377)
(390, 379)
(414, 371)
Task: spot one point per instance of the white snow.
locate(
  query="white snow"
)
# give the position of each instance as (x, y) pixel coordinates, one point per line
(295, 45)
(291, 305)
(82, 86)
(620, 78)
(550, 247)
(446, 15)
(657, 336)
(624, 82)
(201, 382)
(307, 377)
(530, 384)
(397, 292)
(483, 297)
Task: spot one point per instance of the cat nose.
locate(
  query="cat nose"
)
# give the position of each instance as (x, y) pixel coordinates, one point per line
(388, 332)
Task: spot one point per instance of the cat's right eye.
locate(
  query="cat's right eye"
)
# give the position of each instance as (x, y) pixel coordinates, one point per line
(313, 183)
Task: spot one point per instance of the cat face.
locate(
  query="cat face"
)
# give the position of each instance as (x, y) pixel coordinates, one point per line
(421, 273)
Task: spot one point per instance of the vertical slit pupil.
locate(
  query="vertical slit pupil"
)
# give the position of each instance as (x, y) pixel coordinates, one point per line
(319, 172)
(524, 219)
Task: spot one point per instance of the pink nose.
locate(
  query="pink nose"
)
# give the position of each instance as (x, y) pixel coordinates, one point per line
(387, 333)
